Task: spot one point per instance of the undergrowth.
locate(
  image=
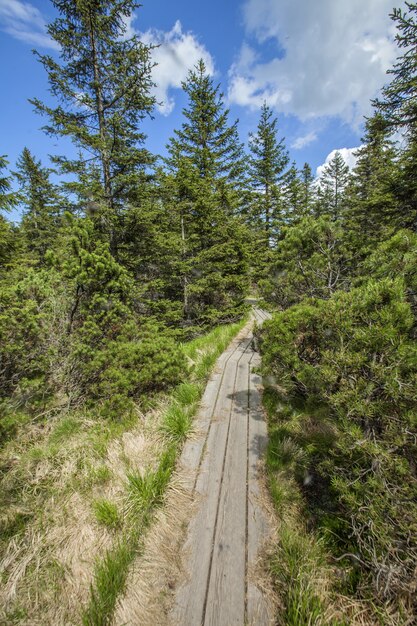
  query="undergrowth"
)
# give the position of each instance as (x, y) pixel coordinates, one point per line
(315, 586)
(145, 492)
(69, 473)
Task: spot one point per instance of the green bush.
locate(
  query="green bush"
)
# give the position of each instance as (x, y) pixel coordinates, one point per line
(123, 370)
(31, 311)
(353, 360)
(115, 356)
(392, 258)
(311, 260)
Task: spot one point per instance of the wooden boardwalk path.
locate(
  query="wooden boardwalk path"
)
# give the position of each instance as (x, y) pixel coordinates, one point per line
(225, 534)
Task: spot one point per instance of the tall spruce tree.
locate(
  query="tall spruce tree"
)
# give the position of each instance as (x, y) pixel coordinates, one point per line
(41, 204)
(332, 184)
(206, 138)
(372, 208)
(103, 83)
(7, 197)
(307, 189)
(398, 106)
(293, 195)
(206, 168)
(267, 164)
(7, 201)
(398, 103)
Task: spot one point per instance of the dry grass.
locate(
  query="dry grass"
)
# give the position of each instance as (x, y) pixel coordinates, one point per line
(51, 475)
(147, 599)
(47, 567)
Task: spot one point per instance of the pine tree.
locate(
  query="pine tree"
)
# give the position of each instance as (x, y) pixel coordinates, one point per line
(41, 204)
(307, 189)
(398, 107)
(7, 201)
(153, 249)
(332, 184)
(267, 166)
(293, 196)
(206, 171)
(206, 139)
(103, 84)
(115, 352)
(7, 198)
(398, 104)
(371, 204)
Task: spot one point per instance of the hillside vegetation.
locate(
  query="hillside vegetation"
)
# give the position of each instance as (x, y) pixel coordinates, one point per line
(111, 285)
(340, 362)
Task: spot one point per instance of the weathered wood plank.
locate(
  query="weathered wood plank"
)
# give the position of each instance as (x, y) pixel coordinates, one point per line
(226, 591)
(259, 612)
(193, 449)
(191, 597)
(229, 527)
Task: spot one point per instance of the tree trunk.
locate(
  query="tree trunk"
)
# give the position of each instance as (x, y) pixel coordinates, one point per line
(105, 157)
(185, 279)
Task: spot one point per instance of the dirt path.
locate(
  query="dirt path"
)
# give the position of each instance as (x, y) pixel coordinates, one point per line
(229, 525)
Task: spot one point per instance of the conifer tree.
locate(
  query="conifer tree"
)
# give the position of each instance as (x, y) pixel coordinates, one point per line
(206, 138)
(332, 184)
(7, 198)
(398, 104)
(370, 200)
(103, 85)
(7, 201)
(206, 171)
(268, 161)
(293, 196)
(41, 204)
(307, 189)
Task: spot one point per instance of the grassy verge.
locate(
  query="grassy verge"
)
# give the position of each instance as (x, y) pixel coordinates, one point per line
(77, 493)
(313, 589)
(145, 491)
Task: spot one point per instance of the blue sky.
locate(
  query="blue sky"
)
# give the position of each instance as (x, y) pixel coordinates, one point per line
(317, 64)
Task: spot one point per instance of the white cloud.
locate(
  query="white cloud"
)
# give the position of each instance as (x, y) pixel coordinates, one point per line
(177, 53)
(25, 22)
(305, 140)
(130, 30)
(336, 54)
(348, 155)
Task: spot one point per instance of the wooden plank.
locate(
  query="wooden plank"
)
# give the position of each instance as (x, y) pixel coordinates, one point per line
(193, 448)
(259, 612)
(226, 591)
(191, 596)
(229, 527)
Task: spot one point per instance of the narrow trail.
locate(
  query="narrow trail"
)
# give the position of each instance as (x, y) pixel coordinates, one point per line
(229, 526)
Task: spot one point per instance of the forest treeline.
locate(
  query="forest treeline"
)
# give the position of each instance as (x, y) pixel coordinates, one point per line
(121, 255)
(340, 358)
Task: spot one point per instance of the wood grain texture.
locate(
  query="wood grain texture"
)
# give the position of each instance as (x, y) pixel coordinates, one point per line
(228, 527)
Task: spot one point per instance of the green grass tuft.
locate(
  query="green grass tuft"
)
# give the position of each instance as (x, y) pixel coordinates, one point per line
(109, 580)
(106, 513)
(187, 393)
(145, 492)
(65, 428)
(295, 566)
(177, 421)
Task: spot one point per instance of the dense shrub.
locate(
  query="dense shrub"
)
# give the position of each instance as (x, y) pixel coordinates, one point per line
(30, 310)
(392, 258)
(311, 260)
(353, 359)
(73, 329)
